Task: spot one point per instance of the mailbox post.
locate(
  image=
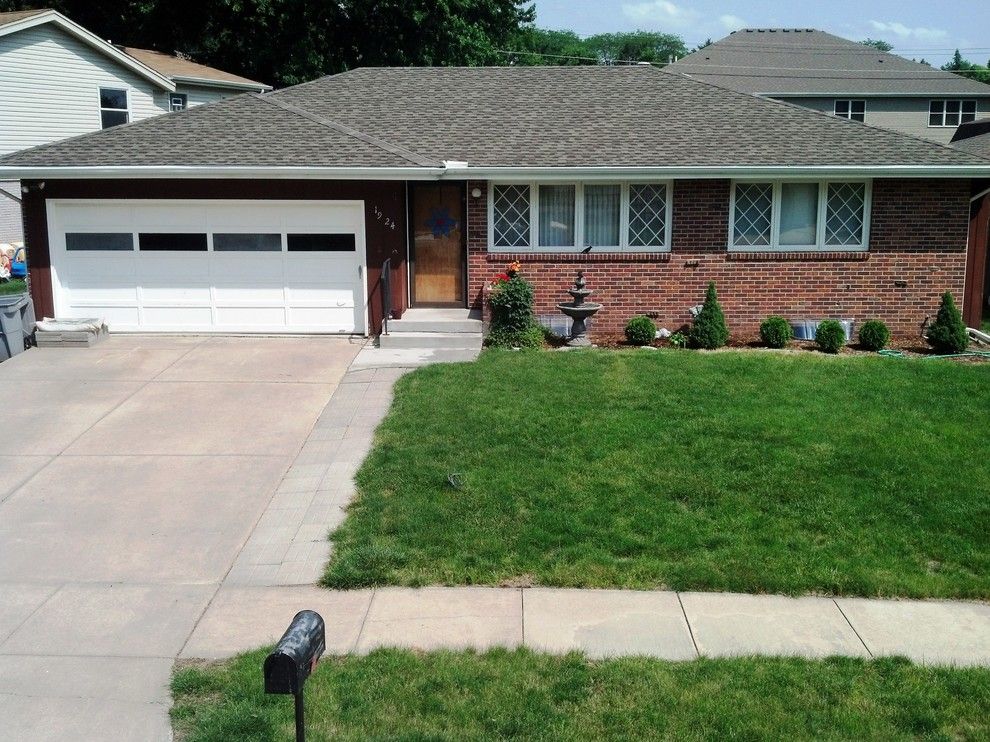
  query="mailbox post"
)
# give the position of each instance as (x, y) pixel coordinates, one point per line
(294, 659)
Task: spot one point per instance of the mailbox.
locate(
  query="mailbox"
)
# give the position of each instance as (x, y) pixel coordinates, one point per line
(296, 654)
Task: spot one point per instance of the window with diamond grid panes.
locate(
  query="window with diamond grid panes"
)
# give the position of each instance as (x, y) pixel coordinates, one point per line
(647, 215)
(511, 215)
(753, 214)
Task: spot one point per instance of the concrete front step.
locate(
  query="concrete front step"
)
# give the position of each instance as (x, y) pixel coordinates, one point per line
(470, 326)
(452, 340)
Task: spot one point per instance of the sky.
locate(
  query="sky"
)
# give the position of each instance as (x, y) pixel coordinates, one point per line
(929, 30)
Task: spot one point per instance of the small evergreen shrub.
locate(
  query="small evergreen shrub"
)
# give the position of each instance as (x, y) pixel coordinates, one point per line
(947, 334)
(513, 323)
(640, 330)
(709, 330)
(874, 335)
(830, 336)
(776, 332)
(512, 305)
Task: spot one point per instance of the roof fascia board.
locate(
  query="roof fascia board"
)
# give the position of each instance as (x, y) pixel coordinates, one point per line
(496, 173)
(90, 39)
(730, 171)
(208, 83)
(846, 94)
(191, 171)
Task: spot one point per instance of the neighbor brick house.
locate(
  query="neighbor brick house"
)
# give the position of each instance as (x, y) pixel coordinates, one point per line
(277, 212)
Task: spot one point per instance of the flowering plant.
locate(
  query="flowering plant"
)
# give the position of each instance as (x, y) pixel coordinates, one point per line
(513, 269)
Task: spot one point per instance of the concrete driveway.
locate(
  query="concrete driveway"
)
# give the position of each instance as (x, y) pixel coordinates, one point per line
(131, 476)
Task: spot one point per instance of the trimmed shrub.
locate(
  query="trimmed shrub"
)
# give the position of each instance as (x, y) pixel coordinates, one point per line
(830, 336)
(874, 335)
(513, 324)
(776, 332)
(709, 330)
(947, 334)
(512, 305)
(641, 330)
(531, 337)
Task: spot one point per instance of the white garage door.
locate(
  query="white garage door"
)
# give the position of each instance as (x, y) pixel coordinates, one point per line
(210, 266)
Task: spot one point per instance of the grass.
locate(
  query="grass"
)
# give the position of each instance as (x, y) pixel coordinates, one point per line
(396, 694)
(749, 472)
(13, 286)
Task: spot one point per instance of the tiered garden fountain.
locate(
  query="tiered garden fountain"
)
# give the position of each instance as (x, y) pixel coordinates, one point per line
(579, 310)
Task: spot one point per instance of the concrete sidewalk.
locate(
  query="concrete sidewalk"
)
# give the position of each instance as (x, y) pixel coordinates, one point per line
(601, 623)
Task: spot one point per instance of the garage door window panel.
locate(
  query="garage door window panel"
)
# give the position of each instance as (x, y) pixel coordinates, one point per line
(229, 242)
(174, 242)
(320, 243)
(99, 241)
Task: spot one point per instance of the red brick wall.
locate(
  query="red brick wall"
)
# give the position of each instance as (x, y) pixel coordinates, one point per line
(917, 237)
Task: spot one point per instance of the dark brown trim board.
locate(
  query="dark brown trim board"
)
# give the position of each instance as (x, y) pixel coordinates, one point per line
(976, 261)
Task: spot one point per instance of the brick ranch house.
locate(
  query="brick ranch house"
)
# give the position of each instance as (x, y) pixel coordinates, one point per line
(277, 212)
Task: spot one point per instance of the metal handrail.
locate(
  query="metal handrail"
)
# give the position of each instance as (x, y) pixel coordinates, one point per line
(386, 288)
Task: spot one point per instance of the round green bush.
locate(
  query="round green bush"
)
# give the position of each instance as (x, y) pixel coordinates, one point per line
(830, 336)
(640, 330)
(874, 335)
(776, 332)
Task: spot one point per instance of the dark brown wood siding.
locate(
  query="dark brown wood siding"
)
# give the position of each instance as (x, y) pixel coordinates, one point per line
(384, 212)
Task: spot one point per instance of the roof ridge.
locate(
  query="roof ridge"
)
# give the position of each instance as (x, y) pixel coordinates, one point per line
(794, 106)
(406, 154)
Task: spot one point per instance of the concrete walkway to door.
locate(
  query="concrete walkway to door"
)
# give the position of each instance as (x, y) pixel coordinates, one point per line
(131, 476)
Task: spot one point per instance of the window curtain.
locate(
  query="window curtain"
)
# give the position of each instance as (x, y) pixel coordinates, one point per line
(557, 216)
(798, 214)
(601, 215)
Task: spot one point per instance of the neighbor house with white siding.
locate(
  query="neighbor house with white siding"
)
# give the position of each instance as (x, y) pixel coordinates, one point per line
(58, 80)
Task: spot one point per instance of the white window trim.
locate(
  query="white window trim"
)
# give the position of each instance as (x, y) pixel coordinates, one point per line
(819, 245)
(101, 109)
(579, 241)
(944, 101)
(849, 101)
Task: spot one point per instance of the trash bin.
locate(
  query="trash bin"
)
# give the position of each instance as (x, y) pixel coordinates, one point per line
(13, 314)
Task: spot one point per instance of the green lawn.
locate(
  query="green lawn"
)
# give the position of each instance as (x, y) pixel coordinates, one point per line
(393, 694)
(13, 286)
(751, 472)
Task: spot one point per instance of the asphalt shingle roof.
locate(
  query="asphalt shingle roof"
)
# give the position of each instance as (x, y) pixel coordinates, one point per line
(780, 61)
(176, 67)
(18, 15)
(974, 137)
(497, 117)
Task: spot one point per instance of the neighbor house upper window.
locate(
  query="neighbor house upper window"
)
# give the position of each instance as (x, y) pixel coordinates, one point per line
(851, 109)
(113, 107)
(800, 215)
(177, 101)
(558, 217)
(951, 112)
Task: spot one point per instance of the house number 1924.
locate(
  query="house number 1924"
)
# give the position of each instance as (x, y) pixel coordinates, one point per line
(387, 221)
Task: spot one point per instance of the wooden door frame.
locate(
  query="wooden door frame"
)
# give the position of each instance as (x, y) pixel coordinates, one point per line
(413, 187)
(976, 261)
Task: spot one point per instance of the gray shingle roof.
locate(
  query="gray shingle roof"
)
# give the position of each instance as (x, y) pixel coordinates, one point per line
(974, 137)
(14, 16)
(497, 117)
(779, 61)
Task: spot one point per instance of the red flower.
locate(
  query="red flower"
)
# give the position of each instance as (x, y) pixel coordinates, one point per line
(500, 278)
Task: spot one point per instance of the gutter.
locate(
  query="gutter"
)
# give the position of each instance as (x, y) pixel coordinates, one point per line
(207, 172)
(452, 170)
(211, 83)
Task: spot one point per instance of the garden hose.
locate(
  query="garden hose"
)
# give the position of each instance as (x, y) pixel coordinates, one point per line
(888, 353)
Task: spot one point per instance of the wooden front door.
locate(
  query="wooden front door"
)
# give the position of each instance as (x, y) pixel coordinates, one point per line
(438, 244)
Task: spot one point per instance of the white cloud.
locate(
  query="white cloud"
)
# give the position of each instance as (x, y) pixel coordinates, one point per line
(661, 12)
(732, 22)
(901, 31)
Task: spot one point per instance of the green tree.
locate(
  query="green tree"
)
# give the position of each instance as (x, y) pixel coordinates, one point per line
(968, 69)
(284, 42)
(540, 46)
(879, 44)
